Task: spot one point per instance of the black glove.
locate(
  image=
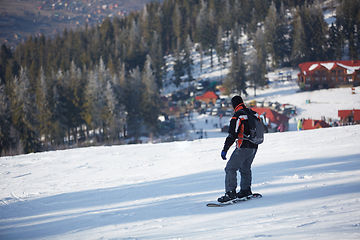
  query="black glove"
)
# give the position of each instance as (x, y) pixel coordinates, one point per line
(223, 155)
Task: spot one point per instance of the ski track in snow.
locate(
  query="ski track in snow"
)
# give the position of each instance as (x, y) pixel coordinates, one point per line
(309, 180)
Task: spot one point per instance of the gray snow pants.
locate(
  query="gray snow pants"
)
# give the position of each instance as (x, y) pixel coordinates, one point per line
(241, 159)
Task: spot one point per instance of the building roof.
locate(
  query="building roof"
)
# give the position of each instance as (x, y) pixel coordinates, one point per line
(348, 113)
(208, 94)
(349, 65)
(272, 115)
(314, 124)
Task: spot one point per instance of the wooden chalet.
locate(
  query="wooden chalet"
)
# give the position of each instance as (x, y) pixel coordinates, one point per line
(209, 96)
(329, 74)
(309, 124)
(274, 117)
(349, 116)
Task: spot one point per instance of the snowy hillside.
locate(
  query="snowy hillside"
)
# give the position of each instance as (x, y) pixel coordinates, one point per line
(309, 180)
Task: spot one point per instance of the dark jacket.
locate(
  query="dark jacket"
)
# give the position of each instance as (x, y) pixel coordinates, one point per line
(239, 126)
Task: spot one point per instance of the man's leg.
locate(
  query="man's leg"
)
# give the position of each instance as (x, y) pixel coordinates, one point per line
(231, 171)
(245, 168)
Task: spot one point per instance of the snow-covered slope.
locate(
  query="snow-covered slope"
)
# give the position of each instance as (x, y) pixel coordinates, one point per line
(309, 180)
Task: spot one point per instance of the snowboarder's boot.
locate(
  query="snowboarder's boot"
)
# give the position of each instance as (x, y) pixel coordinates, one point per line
(228, 196)
(244, 193)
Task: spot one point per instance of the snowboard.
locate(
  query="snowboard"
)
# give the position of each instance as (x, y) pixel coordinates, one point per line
(234, 201)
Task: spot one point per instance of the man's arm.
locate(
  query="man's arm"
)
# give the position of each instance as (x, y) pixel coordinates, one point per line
(230, 139)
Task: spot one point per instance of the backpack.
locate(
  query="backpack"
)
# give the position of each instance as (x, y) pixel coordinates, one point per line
(256, 127)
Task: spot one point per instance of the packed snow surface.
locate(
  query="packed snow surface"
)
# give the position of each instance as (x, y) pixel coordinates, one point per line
(310, 181)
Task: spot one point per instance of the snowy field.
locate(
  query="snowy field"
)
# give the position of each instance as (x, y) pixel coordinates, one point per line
(310, 181)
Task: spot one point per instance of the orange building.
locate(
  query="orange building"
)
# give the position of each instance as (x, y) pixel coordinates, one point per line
(329, 74)
(350, 116)
(273, 116)
(309, 124)
(209, 96)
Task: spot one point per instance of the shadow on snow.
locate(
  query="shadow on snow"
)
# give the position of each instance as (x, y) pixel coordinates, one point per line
(175, 197)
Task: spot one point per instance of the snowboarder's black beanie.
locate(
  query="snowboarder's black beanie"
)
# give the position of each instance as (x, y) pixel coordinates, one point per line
(236, 100)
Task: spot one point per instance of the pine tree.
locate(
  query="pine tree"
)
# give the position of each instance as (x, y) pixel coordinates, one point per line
(236, 78)
(133, 93)
(227, 17)
(234, 38)
(5, 56)
(168, 32)
(187, 60)
(100, 101)
(298, 40)
(158, 61)
(43, 111)
(177, 24)
(5, 123)
(348, 20)
(110, 112)
(119, 121)
(206, 26)
(23, 112)
(145, 24)
(136, 48)
(220, 48)
(150, 105)
(334, 43)
(319, 30)
(57, 108)
(270, 33)
(281, 43)
(73, 93)
(178, 68)
(315, 28)
(258, 61)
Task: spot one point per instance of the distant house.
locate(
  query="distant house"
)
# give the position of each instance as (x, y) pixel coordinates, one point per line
(275, 118)
(329, 74)
(209, 96)
(309, 124)
(350, 116)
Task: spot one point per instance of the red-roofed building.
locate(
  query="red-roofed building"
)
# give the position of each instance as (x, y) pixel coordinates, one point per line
(329, 74)
(309, 124)
(209, 96)
(275, 118)
(349, 116)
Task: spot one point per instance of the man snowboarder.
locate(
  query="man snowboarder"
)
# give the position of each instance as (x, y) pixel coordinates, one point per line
(241, 158)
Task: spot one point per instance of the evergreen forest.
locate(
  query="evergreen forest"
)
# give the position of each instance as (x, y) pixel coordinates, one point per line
(104, 82)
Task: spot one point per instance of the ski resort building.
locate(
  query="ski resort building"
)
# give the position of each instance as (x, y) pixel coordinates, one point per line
(329, 74)
(275, 118)
(309, 124)
(209, 96)
(349, 116)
